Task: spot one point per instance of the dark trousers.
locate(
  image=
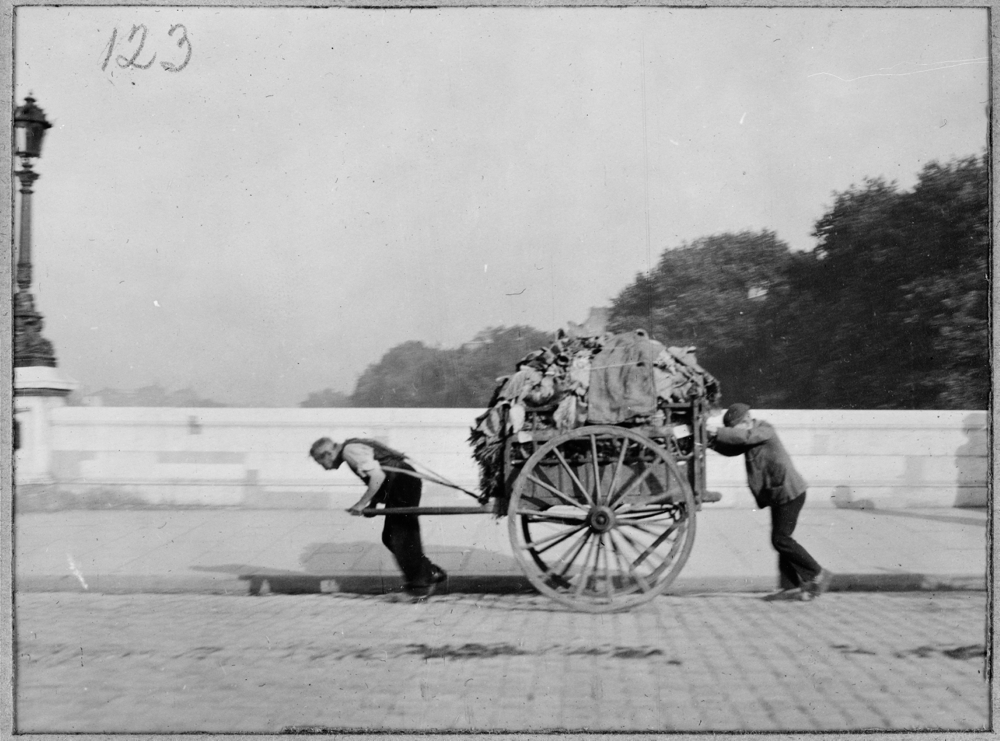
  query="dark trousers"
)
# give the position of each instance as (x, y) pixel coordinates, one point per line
(401, 533)
(795, 565)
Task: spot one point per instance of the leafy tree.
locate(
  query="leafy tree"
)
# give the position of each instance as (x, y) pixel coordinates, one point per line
(493, 353)
(890, 311)
(893, 312)
(950, 293)
(852, 351)
(414, 375)
(718, 294)
(400, 379)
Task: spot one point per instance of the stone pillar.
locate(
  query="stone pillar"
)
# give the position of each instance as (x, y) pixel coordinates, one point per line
(37, 391)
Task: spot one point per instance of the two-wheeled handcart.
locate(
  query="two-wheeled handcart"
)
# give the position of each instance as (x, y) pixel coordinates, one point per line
(601, 517)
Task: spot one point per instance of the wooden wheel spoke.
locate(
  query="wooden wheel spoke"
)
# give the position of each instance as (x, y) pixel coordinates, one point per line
(669, 558)
(640, 559)
(633, 516)
(635, 546)
(618, 468)
(597, 469)
(642, 528)
(550, 541)
(554, 490)
(573, 476)
(571, 554)
(600, 557)
(543, 516)
(583, 571)
(655, 544)
(645, 524)
(621, 566)
(620, 555)
(677, 543)
(539, 503)
(615, 501)
(607, 566)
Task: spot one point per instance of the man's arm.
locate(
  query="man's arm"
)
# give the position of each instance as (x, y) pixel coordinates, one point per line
(742, 437)
(361, 459)
(723, 449)
(375, 479)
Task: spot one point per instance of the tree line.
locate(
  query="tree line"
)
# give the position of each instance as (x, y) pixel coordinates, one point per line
(890, 310)
(415, 375)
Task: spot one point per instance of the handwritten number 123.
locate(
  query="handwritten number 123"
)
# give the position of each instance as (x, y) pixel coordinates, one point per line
(124, 61)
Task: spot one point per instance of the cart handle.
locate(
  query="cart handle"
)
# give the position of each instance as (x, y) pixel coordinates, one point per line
(487, 509)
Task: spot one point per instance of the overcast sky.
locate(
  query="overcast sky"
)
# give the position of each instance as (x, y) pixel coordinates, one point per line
(316, 186)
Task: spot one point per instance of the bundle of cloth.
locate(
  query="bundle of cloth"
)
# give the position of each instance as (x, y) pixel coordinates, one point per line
(617, 379)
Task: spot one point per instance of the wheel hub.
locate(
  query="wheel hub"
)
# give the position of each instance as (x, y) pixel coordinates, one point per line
(602, 519)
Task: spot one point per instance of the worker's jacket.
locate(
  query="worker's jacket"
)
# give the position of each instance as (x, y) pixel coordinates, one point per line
(385, 455)
(364, 456)
(770, 474)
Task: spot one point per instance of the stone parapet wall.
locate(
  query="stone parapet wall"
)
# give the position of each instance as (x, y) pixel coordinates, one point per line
(259, 457)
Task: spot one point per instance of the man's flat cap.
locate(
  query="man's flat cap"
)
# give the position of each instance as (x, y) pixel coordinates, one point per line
(735, 414)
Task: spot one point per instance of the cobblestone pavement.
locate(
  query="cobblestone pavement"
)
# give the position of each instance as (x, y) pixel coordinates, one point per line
(159, 663)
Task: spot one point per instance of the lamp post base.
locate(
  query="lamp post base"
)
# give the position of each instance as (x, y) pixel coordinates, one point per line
(37, 391)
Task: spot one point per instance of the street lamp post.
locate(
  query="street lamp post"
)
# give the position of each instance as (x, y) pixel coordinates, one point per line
(39, 387)
(30, 348)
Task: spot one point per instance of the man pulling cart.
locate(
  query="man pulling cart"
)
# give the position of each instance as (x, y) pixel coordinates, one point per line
(389, 481)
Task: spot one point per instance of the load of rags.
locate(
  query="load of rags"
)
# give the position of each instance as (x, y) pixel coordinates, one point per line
(610, 379)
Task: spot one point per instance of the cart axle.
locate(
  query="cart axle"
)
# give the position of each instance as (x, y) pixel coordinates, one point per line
(601, 519)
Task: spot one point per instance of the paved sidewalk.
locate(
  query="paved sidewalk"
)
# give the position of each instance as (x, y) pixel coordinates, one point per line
(225, 551)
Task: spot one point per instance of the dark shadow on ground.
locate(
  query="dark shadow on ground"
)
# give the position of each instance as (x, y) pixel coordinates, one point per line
(277, 580)
(843, 498)
(958, 519)
(368, 568)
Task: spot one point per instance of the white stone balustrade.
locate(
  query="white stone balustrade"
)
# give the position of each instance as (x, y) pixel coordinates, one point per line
(259, 457)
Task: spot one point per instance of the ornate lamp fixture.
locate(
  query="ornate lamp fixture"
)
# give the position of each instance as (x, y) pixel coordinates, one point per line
(30, 348)
(30, 125)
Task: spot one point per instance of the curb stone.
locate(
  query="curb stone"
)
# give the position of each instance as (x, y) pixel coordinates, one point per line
(302, 583)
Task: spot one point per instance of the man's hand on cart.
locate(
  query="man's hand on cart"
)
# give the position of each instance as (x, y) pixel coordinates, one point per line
(374, 477)
(358, 508)
(712, 428)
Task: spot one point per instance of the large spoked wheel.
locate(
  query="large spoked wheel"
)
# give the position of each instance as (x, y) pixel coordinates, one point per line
(601, 518)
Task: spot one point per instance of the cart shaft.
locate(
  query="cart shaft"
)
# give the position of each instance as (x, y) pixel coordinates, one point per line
(487, 509)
